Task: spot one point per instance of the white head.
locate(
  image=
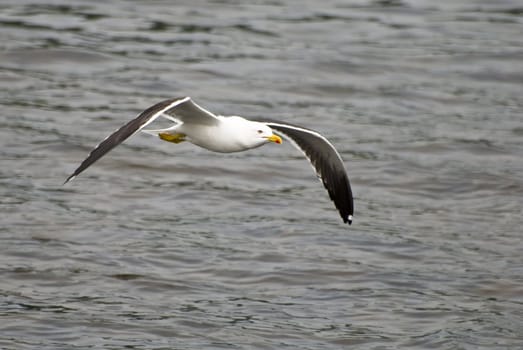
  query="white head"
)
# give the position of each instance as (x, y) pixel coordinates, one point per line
(263, 132)
(252, 134)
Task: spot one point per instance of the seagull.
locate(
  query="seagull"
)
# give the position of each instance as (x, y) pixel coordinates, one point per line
(200, 127)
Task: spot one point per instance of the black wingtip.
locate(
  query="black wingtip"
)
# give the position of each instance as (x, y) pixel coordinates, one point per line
(349, 220)
(72, 176)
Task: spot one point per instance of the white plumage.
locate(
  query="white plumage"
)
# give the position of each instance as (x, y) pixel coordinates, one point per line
(234, 134)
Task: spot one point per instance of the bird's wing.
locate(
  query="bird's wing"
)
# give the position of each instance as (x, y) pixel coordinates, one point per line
(189, 112)
(326, 161)
(180, 109)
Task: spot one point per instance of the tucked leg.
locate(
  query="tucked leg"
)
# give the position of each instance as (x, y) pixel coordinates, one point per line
(174, 138)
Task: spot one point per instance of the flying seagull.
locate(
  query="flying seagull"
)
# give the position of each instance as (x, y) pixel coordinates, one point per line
(234, 134)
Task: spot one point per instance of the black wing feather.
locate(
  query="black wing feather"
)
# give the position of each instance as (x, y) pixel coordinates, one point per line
(327, 163)
(121, 135)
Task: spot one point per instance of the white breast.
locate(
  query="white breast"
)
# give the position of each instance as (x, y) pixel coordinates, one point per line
(232, 134)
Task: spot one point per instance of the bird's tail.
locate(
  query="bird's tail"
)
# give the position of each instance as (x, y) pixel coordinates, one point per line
(160, 131)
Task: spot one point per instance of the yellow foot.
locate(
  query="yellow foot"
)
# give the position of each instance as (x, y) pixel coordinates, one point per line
(174, 138)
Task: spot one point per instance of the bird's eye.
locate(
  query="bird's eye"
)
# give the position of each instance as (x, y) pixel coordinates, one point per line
(260, 131)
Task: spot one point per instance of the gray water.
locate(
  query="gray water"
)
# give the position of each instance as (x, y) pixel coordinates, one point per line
(163, 246)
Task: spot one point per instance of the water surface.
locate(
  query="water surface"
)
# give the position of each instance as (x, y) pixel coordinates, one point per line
(162, 246)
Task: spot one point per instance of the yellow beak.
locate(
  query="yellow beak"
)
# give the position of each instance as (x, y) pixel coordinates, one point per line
(274, 138)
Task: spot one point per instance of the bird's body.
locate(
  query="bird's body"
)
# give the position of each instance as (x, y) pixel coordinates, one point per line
(230, 134)
(234, 134)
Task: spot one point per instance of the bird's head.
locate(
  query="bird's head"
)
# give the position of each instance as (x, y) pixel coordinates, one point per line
(262, 131)
(249, 134)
